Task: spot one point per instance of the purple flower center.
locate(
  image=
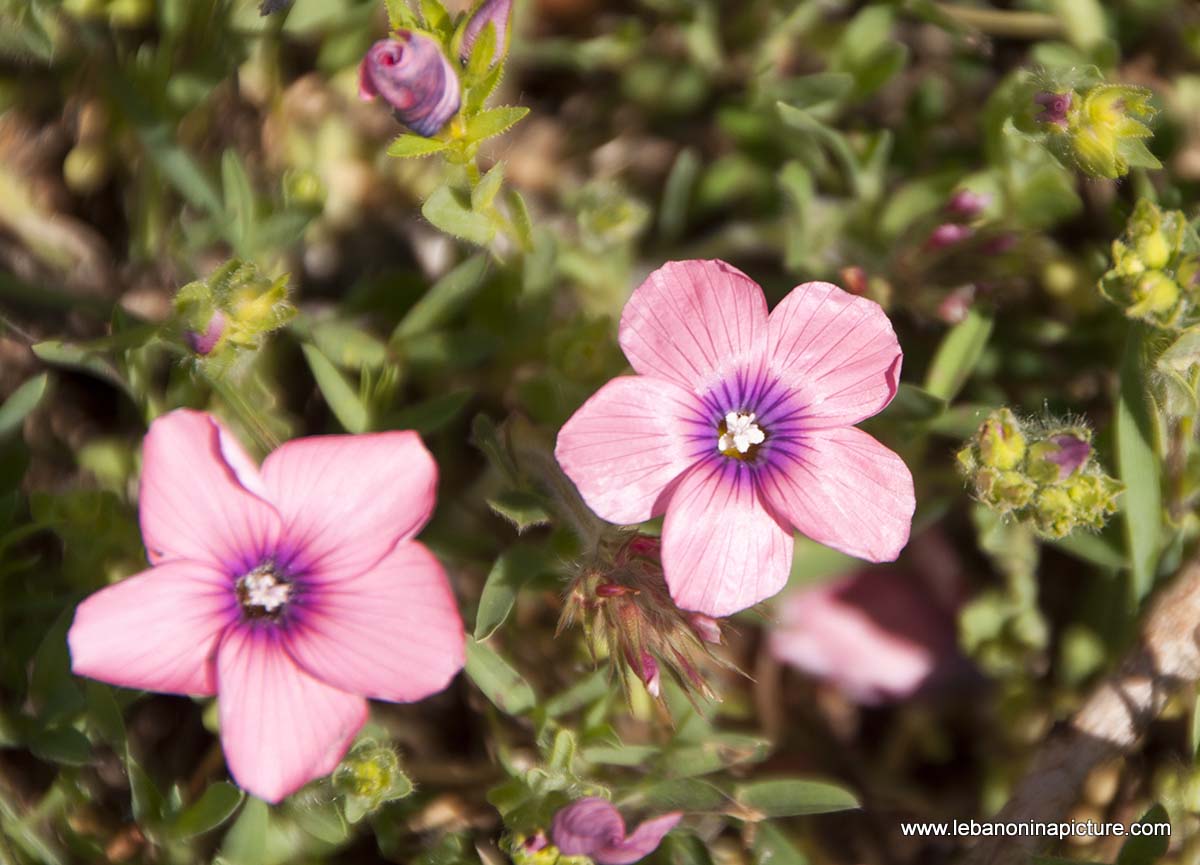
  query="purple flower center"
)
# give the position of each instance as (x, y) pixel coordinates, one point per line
(263, 593)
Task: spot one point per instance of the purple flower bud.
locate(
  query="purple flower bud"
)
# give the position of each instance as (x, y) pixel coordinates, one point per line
(535, 842)
(593, 827)
(1070, 455)
(647, 669)
(948, 234)
(967, 203)
(706, 627)
(955, 305)
(1055, 107)
(494, 12)
(204, 343)
(414, 77)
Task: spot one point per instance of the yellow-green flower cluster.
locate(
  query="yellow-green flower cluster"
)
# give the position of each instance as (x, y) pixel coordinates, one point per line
(1046, 477)
(1155, 275)
(1100, 127)
(235, 308)
(369, 776)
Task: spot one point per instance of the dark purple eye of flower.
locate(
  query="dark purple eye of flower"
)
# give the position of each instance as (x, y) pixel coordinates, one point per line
(263, 592)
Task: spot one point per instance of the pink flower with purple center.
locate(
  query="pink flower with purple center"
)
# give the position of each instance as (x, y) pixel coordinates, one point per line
(291, 592)
(593, 827)
(739, 427)
(412, 75)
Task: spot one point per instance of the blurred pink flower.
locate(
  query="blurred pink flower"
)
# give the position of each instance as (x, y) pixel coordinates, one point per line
(874, 635)
(292, 593)
(494, 12)
(738, 427)
(968, 203)
(593, 827)
(948, 234)
(413, 76)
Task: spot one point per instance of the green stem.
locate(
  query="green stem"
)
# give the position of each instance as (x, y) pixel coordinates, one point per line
(1003, 22)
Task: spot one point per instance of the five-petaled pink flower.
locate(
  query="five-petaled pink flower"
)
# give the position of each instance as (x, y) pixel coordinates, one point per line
(593, 827)
(292, 593)
(739, 426)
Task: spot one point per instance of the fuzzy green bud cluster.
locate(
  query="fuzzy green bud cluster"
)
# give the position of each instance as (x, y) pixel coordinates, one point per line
(1101, 128)
(1155, 275)
(234, 309)
(368, 777)
(1045, 477)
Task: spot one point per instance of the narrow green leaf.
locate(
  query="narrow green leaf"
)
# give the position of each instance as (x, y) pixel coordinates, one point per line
(677, 194)
(498, 681)
(482, 52)
(429, 416)
(484, 194)
(958, 355)
(339, 395)
(444, 298)
(105, 719)
(406, 146)
(512, 569)
(246, 841)
(434, 14)
(520, 218)
(22, 401)
(214, 807)
(494, 121)
(444, 210)
(147, 801)
(400, 16)
(682, 794)
(239, 201)
(793, 797)
(63, 745)
(620, 755)
(524, 510)
(914, 404)
(1137, 467)
(773, 847)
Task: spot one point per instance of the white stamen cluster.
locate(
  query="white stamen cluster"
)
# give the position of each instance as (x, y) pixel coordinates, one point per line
(741, 433)
(262, 588)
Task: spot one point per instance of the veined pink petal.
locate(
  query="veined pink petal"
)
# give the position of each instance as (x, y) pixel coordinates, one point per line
(280, 727)
(837, 350)
(193, 502)
(157, 630)
(347, 500)
(723, 551)
(628, 442)
(843, 489)
(641, 842)
(393, 633)
(693, 322)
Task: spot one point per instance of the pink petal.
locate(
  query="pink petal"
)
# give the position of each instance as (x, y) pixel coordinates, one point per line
(837, 350)
(843, 489)
(347, 500)
(193, 502)
(157, 630)
(280, 727)
(628, 442)
(723, 551)
(641, 842)
(693, 323)
(587, 825)
(393, 633)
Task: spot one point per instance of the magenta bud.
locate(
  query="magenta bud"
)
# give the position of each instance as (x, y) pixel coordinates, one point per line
(948, 234)
(1071, 454)
(967, 203)
(593, 827)
(1055, 107)
(412, 75)
(706, 627)
(535, 842)
(204, 343)
(955, 305)
(648, 671)
(494, 12)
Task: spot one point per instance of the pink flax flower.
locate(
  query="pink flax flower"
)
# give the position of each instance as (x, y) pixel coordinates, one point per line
(593, 827)
(739, 427)
(291, 592)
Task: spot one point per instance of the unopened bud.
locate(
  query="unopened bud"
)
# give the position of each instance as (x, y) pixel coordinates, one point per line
(1059, 457)
(1001, 443)
(494, 12)
(948, 234)
(412, 75)
(708, 628)
(967, 203)
(1055, 108)
(203, 343)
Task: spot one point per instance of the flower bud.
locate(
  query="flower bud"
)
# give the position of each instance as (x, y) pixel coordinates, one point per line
(1059, 457)
(203, 343)
(647, 669)
(235, 307)
(1155, 297)
(1055, 108)
(494, 12)
(948, 234)
(1106, 131)
(1001, 444)
(1154, 269)
(413, 76)
(706, 627)
(369, 776)
(967, 203)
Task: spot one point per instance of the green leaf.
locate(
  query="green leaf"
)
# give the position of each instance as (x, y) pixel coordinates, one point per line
(498, 681)
(772, 847)
(620, 755)
(912, 403)
(407, 146)
(520, 219)
(105, 718)
(339, 396)
(147, 801)
(214, 807)
(1137, 467)
(484, 193)
(246, 841)
(1147, 849)
(512, 569)
(677, 194)
(73, 357)
(22, 401)
(435, 15)
(482, 52)
(494, 121)
(444, 211)
(444, 298)
(240, 204)
(792, 798)
(682, 794)
(958, 355)
(524, 510)
(429, 416)
(400, 16)
(63, 745)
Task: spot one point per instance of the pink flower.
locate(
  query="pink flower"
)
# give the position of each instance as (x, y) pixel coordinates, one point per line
(292, 593)
(414, 77)
(873, 635)
(968, 203)
(948, 234)
(494, 12)
(738, 427)
(593, 827)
